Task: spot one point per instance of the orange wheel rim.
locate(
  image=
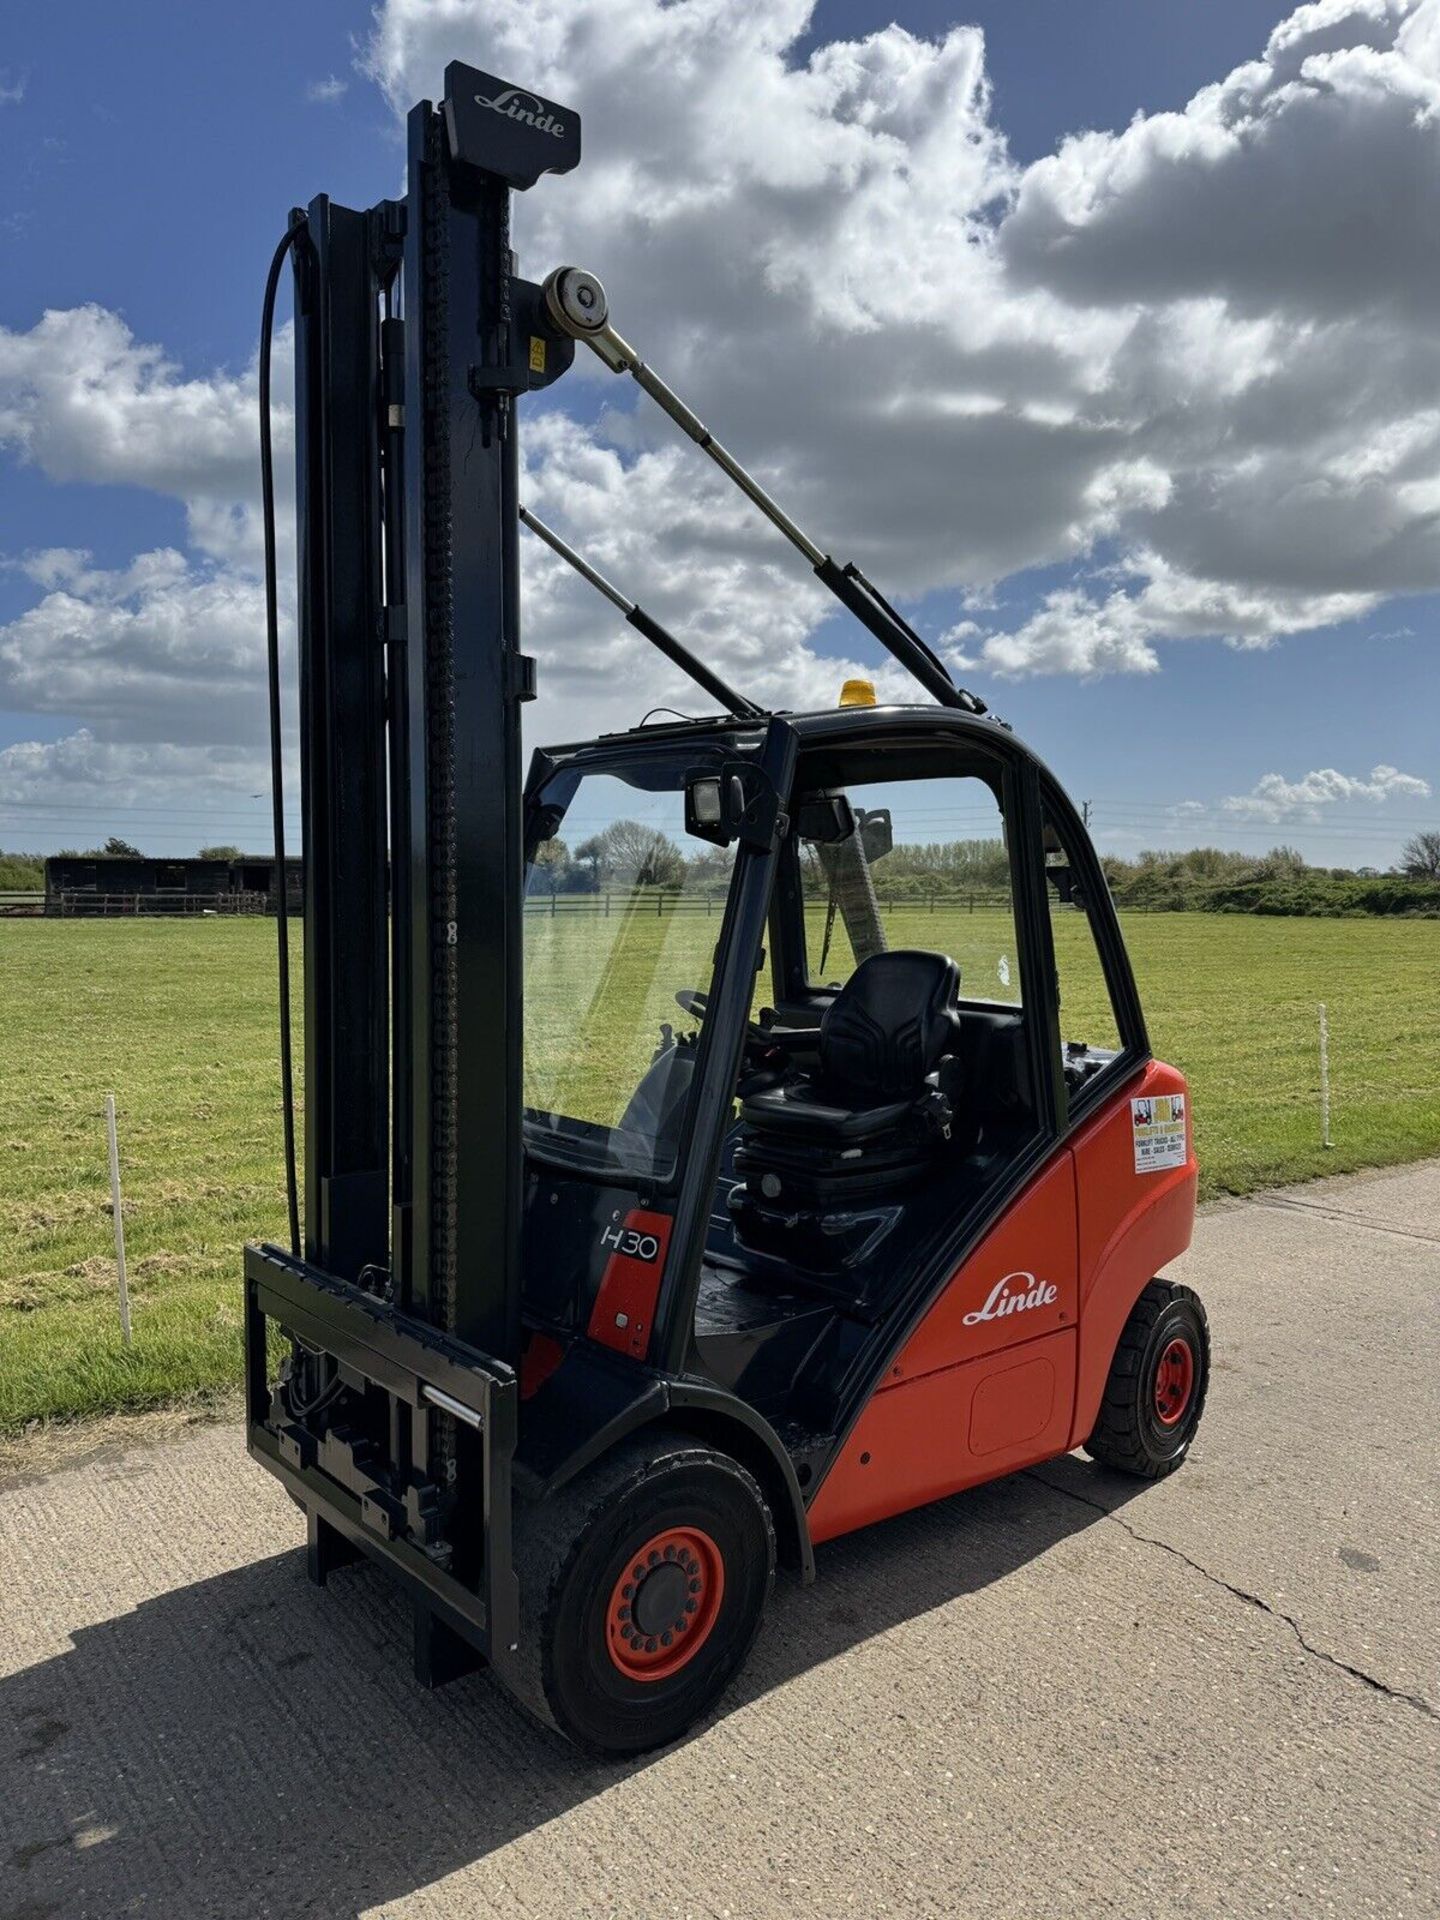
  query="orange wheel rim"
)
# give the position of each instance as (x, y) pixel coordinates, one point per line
(665, 1604)
(1174, 1382)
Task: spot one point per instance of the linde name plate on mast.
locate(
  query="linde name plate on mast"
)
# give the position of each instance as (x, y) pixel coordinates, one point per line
(507, 130)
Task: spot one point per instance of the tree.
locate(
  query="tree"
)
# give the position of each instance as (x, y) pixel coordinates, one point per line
(628, 850)
(552, 861)
(1280, 863)
(591, 853)
(1421, 857)
(220, 853)
(121, 849)
(21, 872)
(709, 870)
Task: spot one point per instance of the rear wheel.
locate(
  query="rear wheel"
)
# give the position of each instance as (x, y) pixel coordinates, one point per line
(641, 1591)
(1156, 1390)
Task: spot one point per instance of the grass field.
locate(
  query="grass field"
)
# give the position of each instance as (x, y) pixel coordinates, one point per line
(178, 1018)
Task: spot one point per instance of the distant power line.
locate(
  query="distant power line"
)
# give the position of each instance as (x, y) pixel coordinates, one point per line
(135, 806)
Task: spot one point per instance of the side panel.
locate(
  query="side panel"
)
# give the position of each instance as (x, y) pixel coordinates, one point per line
(985, 1384)
(1131, 1226)
(624, 1309)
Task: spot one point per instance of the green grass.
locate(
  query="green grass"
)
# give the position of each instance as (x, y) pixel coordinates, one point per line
(178, 1018)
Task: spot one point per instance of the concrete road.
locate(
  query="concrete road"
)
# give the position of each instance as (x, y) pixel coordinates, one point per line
(1054, 1696)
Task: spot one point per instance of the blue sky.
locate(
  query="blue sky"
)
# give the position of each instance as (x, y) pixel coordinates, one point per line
(149, 156)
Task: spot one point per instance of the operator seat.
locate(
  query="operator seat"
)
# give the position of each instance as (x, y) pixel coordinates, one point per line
(867, 1123)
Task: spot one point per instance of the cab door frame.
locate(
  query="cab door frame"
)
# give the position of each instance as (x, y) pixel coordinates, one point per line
(1104, 924)
(717, 1066)
(890, 1411)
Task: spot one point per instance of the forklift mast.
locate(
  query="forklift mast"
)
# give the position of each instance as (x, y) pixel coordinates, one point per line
(414, 338)
(393, 1421)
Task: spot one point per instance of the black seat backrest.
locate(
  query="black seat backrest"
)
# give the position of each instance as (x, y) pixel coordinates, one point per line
(997, 1070)
(890, 1025)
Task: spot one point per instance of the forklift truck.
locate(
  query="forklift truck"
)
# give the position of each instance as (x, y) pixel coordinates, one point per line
(639, 1252)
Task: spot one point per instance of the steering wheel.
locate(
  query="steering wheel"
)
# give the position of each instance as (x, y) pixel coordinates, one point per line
(696, 1003)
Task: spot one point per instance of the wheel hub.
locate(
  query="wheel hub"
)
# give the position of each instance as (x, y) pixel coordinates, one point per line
(660, 1598)
(1174, 1382)
(665, 1603)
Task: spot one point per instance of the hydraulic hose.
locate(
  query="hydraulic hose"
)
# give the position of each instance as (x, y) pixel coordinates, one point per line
(277, 789)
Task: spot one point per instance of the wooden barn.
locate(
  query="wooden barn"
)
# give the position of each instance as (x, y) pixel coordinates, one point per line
(98, 884)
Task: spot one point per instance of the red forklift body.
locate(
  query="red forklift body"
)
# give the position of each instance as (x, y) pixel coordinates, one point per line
(739, 1130)
(994, 1379)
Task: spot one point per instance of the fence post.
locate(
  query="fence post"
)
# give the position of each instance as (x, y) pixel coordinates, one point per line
(119, 1217)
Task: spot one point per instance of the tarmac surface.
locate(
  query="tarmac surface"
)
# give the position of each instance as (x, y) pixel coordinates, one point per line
(1064, 1694)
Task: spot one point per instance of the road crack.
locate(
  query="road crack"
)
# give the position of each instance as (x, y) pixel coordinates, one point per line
(1341, 1217)
(1413, 1700)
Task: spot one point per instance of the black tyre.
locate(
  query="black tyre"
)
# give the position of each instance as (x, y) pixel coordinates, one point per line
(1156, 1391)
(642, 1586)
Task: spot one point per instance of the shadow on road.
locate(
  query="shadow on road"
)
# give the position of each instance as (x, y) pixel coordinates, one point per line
(250, 1746)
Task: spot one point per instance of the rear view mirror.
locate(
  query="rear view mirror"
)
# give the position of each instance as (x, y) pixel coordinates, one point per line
(876, 833)
(826, 819)
(1062, 878)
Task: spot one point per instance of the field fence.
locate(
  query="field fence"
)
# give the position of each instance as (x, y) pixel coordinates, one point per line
(83, 903)
(665, 901)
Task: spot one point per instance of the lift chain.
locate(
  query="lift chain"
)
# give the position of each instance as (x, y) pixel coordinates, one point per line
(440, 743)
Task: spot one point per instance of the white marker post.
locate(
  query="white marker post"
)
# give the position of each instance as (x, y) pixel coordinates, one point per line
(1325, 1139)
(119, 1218)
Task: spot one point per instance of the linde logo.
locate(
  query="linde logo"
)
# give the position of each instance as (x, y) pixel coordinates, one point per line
(525, 107)
(1016, 1293)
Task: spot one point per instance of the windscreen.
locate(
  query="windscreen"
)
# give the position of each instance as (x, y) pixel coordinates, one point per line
(936, 878)
(623, 910)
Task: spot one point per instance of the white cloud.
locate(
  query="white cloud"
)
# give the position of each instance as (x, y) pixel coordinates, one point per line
(325, 92)
(1073, 633)
(36, 773)
(1193, 361)
(1274, 798)
(1206, 339)
(1290, 187)
(1077, 631)
(12, 86)
(805, 251)
(689, 549)
(171, 648)
(161, 651)
(83, 400)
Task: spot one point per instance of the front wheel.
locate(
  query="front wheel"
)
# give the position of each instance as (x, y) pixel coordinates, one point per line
(642, 1586)
(1156, 1390)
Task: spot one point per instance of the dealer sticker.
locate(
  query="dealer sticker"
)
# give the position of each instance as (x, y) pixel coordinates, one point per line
(1159, 1128)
